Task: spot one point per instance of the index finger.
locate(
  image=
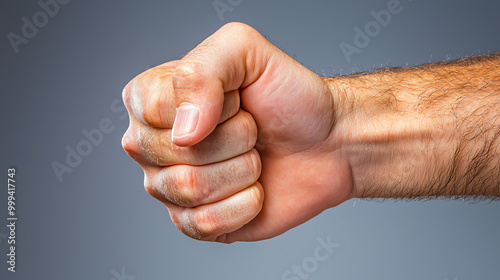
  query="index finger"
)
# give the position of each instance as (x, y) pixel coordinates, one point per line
(149, 97)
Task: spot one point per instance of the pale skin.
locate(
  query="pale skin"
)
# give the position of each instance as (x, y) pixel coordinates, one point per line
(242, 143)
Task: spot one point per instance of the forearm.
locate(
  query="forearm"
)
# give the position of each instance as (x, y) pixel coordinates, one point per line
(426, 131)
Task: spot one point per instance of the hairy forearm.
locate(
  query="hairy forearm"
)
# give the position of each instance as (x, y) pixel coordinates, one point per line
(426, 131)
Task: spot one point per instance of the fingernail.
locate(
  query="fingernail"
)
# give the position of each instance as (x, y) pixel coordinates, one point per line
(186, 120)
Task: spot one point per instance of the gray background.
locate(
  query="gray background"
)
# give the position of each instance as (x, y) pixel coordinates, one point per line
(99, 219)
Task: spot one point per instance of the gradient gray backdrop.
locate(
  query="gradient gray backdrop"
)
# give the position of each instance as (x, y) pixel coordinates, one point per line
(99, 219)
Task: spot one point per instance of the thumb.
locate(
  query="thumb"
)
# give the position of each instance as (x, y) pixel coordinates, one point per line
(233, 57)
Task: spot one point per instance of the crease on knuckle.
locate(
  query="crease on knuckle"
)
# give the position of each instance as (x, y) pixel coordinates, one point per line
(186, 187)
(256, 198)
(193, 223)
(145, 142)
(149, 113)
(185, 223)
(207, 223)
(165, 190)
(156, 101)
(156, 149)
(205, 189)
(253, 165)
(248, 125)
(190, 75)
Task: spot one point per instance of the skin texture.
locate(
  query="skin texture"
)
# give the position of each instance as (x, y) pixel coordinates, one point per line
(426, 131)
(272, 144)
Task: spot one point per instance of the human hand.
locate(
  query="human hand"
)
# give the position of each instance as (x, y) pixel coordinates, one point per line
(253, 151)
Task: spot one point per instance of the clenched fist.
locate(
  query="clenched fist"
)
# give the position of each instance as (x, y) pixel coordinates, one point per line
(237, 139)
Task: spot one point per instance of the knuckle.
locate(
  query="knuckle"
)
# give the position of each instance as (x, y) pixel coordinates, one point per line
(184, 223)
(145, 97)
(126, 95)
(157, 104)
(197, 224)
(231, 105)
(133, 99)
(186, 187)
(256, 197)
(253, 164)
(164, 188)
(206, 223)
(175, 218)
(250, 129)
(189, 75)
(146, 142)
(152, 146)
(129, 143)
(150, 187)
(240, 28)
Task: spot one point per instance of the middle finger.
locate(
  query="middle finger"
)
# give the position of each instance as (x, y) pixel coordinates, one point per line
(234, 137)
